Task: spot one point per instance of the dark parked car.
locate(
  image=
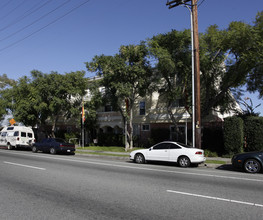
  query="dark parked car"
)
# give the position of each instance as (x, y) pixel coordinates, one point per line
(251, 162)
(54, 145)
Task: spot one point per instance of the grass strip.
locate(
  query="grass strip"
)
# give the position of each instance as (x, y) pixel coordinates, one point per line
(215, 161)
(109, 149)
(104, 154)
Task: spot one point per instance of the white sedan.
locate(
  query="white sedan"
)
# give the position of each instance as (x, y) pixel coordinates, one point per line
(170, 151)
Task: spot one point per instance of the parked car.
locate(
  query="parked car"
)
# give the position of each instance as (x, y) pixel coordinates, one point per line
(251, 162)
(14, 137)
(54, 145)
(184, 155)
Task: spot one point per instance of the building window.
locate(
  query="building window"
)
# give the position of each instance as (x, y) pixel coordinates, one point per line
(142, 108)
(108, 108)
(146, 127)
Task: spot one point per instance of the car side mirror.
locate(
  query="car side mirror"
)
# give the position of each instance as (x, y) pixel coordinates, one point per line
(150, 149)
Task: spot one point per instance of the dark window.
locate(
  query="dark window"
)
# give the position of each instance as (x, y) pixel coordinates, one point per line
(146, 127)
(142, 108)
(16, 133)
(185, 145)
(174, 146)
(108, 108)
(23, 134)
(162, 146)
(10, 128)
(30, 135)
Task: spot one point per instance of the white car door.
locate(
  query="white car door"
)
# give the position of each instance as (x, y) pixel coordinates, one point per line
(159, 152)
(175, 152)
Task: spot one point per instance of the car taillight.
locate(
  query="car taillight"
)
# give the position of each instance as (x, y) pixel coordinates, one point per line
(199, 152)
(61, 145)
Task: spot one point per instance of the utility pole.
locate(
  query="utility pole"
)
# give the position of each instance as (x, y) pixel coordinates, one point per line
(196, 85)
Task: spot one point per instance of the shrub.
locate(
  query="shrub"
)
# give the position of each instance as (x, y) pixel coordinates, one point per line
(213, 139)
(233, 135)
(72, 138)
(209, 153)
(109, 139)
(253, 133)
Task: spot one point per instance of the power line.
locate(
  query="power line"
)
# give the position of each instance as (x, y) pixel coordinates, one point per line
(43, 16)
(25, 15)
(6, 4)
(40, 29)
(201, 3)
(12, 10)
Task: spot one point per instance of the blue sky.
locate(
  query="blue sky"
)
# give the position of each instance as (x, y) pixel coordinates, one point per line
(62, 41)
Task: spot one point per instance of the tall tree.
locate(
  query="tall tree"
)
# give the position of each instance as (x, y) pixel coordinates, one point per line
(173, 53)
(223, 65)
(95, 100)
(126, 77)
(47, 97)
(255, 57)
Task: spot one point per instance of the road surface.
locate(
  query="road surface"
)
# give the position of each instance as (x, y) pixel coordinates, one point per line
(44, 186)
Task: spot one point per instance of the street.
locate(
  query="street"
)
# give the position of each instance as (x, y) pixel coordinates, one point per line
(44, 186)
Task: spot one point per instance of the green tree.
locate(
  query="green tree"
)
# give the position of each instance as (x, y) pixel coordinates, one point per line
(46, 97)
(5, 98)
(255, 57)
(172, 52)
(91, 105)
(126, 76)
(223, 65)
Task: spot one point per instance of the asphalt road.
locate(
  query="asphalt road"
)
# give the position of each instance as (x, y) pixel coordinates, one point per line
(44, 186)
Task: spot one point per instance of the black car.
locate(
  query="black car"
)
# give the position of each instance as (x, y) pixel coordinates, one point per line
(54, 145)
(251, 162)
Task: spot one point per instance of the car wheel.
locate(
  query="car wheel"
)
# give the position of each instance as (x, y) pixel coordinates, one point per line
(184, 161)
(52, 150)
(139, 158)
(9, 147)
(252, 166)
(34, 149)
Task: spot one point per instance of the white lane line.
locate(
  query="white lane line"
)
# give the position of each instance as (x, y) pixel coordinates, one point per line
(22, 165)
(138, 167)
(216, 198)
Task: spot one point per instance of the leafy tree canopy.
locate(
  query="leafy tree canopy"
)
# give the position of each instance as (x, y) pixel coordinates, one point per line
(47, 97)
(255, 57)
(125, 76)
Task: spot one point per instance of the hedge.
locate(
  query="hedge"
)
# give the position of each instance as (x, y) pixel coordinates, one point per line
(233, 135)
(253, 133)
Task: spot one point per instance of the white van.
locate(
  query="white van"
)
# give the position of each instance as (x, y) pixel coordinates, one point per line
(17, 136)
